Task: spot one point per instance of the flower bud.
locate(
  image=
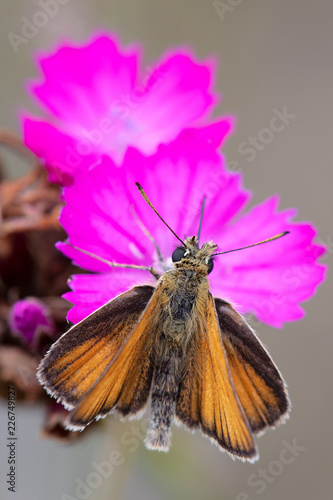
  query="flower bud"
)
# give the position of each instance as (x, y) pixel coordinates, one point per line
(27, 316)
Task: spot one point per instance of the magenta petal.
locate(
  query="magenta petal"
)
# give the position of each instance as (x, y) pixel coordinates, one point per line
(81, 83)
(176, 179)
(106, 109)
(272, 279)
(181, 84)
(89, 292)
(58, 150)
(217, 133)
(99, 218)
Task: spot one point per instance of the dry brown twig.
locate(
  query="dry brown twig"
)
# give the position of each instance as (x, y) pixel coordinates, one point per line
(30, 202)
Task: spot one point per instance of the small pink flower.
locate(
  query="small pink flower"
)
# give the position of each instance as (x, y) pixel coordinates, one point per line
(105, 215)
(99, 103)
(28, 317)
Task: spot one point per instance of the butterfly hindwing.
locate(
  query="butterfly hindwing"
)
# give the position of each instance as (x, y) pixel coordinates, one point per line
(207, 398)
(124, 386)
(258, 383)
(80, 356)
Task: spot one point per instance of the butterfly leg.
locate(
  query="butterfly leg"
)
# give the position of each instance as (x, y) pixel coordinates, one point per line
(114, 264)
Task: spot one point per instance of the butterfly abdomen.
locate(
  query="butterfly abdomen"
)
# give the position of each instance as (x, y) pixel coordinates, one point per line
(164, 395)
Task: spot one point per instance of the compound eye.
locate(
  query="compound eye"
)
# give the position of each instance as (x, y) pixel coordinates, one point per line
(178, 254)
(210, 266)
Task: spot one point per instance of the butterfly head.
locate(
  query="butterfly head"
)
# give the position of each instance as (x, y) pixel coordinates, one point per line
(190, 256)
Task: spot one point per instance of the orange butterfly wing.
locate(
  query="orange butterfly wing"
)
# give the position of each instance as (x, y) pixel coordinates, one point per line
(258, 383)
(81, 355)
(125, 384)
(207, 398)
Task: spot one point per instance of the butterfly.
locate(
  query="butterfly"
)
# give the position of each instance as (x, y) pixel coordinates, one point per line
(192, 355)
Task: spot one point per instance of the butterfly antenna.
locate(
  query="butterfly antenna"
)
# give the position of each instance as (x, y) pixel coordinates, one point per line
(149, 236)
(276, 237)
(201, 216)
(144, 196)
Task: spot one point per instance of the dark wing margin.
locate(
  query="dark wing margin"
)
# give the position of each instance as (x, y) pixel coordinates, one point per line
(76, 361)
(259, 385)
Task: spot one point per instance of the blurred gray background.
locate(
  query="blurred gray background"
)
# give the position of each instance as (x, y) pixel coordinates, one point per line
(272, 54)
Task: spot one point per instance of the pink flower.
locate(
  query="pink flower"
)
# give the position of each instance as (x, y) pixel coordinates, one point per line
(99, 103)
(28, 318)
(103, 208)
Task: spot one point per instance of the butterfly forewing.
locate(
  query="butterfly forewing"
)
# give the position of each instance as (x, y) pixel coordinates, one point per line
(81, 355)
(207, 397)
(125, 384)
(258, 383)
(189, 393)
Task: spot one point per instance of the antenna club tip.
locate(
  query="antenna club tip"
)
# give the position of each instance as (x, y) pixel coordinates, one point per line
(285, 232)
(138, 186)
